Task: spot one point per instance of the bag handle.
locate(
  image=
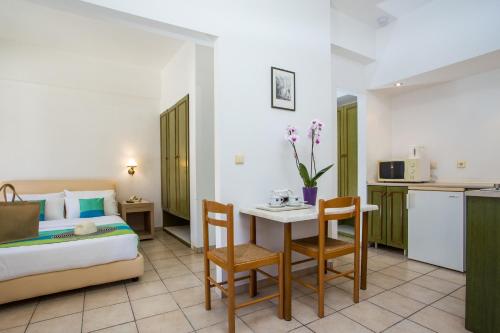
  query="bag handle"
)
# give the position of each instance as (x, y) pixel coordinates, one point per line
(14, 193)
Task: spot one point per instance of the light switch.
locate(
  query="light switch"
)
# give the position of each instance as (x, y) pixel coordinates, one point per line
(239, 159)
(461, 164)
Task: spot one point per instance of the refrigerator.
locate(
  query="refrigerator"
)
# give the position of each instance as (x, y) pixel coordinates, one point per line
(436, 227)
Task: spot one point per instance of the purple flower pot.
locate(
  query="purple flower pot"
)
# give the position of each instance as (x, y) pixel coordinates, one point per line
(310, 194)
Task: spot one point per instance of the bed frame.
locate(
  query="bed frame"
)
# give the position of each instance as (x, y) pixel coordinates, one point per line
(54, 282)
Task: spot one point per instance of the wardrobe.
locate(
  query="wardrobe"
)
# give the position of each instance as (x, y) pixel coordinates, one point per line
(174, 129)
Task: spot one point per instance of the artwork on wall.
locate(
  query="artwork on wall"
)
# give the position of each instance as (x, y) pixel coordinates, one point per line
(282, 89)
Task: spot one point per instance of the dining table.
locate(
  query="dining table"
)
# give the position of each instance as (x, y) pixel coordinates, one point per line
(287, 218)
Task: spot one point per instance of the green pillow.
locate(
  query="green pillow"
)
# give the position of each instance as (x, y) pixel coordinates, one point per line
(41, 216)
(91, 207)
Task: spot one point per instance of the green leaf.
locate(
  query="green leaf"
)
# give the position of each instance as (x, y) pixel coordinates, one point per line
(305, 175)
(320, 173)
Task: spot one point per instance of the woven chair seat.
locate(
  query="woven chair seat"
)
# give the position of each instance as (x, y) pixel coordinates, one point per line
(312, 244)
(244, 253)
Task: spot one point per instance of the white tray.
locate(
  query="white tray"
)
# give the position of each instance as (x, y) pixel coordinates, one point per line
(282, 209)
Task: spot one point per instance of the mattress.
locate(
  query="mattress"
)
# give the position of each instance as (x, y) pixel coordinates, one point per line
(28, 260)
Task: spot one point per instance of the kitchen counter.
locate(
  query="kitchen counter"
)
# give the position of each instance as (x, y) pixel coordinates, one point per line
(465, 185)
(484, 194)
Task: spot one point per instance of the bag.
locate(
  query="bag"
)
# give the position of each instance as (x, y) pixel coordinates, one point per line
(18, 219)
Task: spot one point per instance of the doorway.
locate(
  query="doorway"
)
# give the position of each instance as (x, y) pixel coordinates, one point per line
(347, 154)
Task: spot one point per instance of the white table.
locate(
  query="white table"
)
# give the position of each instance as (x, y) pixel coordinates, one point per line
(287, 218)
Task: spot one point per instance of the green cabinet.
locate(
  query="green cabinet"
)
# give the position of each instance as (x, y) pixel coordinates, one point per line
(174, 134)
(388, 225)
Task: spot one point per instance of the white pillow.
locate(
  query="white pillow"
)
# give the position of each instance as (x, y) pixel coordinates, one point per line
(54, 204)
(73, 204)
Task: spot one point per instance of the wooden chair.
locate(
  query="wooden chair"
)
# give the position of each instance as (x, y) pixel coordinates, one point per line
(234, 259)
(321, 247)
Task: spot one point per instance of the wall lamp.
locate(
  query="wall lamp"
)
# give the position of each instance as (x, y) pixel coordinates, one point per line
(131, 165)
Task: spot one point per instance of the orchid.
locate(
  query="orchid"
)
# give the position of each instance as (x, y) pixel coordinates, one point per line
(313, 133)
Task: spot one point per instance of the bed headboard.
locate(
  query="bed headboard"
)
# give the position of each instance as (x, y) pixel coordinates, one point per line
(51, 186)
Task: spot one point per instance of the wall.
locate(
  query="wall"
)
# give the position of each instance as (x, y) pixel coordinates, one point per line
(458, 120)
(67, 116)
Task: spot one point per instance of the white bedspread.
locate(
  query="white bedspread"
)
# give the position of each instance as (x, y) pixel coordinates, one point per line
(28, 260)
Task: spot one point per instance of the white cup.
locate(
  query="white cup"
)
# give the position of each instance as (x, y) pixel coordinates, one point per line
(276, 201)
(294, 200)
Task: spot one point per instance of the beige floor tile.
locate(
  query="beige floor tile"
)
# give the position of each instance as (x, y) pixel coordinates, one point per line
(370, 291)
(305, 309)
(170, 322)
(18, 329)
(162, 263)
(241, 327)
(173, 271)
(183, 252)
(371, 316)
(160, 254)
(376, 265)
(460, 293)
(243, 297)
(337, 281)
(107, 316)
(192, 258)
(150, 306)
(58, 306)
(449, 275)
(123, 328)
(336, 298)
(407, 326)
(337, 323)
(439, 321)
(302, 329)
(195, 267)
(266, 320)
(201, 318)
(136, 291)
(451, 305)
(384, 281)
(66, 324)
(417, 266)
(181, 282)
(418, 293)
(192, 296)
(148, 266)
(148, 276)
(105, 295)
(436, 284)
(390, 259)
(396, 303)
(16, 314)
(400, 273)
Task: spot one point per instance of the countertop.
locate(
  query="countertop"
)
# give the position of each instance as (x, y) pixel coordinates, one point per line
(465, 185)
(486, 194)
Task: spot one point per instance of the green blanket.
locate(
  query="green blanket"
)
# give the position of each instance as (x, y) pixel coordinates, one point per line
(67, 235)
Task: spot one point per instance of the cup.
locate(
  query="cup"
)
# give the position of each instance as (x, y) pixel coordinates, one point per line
(276, 201)
(294, 200)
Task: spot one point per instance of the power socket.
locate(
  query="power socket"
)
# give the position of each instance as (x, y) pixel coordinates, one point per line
(461, 164)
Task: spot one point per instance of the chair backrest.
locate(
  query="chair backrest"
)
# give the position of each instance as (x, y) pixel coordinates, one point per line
(213, 207)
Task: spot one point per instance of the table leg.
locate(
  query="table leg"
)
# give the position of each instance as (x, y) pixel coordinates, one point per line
(364, 250)
(287, 269)
(252, 290)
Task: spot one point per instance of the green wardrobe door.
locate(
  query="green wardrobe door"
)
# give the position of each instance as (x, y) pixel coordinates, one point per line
(183, 156)
(171, 161)
(397, 217)
(163, 164)
(347, 125)
(376, 219)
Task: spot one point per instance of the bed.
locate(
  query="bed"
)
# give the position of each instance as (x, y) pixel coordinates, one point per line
(41, 267)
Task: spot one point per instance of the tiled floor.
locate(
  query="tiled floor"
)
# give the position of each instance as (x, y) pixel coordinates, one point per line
(402, 296)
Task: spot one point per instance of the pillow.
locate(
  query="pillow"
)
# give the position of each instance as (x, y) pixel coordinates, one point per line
(93, 207)
(54, 204)
(73, 206)
(41, 216)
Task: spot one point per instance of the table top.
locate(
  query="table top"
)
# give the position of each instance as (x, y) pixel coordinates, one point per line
(299, 214)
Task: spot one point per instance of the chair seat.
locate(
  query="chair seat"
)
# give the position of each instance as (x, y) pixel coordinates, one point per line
(310, 245)
(245, 254)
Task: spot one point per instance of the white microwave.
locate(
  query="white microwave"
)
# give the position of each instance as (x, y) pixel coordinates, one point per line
(415, 170)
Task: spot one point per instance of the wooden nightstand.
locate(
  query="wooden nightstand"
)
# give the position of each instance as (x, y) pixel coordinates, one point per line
(145, 208)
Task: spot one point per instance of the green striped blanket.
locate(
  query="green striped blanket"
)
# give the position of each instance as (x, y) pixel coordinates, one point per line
(67, 235)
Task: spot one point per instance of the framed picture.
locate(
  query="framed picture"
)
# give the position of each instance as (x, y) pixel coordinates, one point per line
(282, 89)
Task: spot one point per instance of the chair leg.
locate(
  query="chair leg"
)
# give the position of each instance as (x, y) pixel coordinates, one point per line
(230, 303)
(208, 303)
(326, 266)
(252, 285)
(281, 285)
(355, 288)
(321, 289)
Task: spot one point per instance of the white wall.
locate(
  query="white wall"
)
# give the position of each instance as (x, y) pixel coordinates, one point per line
(458, 120)
(66, 116)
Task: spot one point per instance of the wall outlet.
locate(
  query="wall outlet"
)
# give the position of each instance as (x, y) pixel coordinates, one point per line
(239, 159)
(461, 164)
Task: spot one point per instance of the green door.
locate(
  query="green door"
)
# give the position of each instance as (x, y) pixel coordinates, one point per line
(183, 157)
(397, 217)
(376, 219)
(163, 147)
(347, 147)
(171, 162)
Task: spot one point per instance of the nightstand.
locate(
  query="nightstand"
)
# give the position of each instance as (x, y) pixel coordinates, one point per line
(146, 209)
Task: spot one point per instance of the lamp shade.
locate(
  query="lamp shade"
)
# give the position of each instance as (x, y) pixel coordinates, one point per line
(132, 163)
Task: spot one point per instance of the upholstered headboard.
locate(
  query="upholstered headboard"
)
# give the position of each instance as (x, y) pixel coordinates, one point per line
(51, 186)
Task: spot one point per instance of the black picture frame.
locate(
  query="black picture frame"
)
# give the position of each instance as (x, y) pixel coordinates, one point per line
(287, 102)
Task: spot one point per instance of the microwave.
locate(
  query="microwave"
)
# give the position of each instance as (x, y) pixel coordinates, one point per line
(415, 170)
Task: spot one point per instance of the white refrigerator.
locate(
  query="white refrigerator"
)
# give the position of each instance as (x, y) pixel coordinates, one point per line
(436, 228)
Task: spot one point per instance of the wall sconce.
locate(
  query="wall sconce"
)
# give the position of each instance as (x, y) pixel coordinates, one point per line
(131, 165)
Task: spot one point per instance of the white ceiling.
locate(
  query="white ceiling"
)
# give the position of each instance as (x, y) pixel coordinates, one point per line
(371, 11)
(27, 22)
